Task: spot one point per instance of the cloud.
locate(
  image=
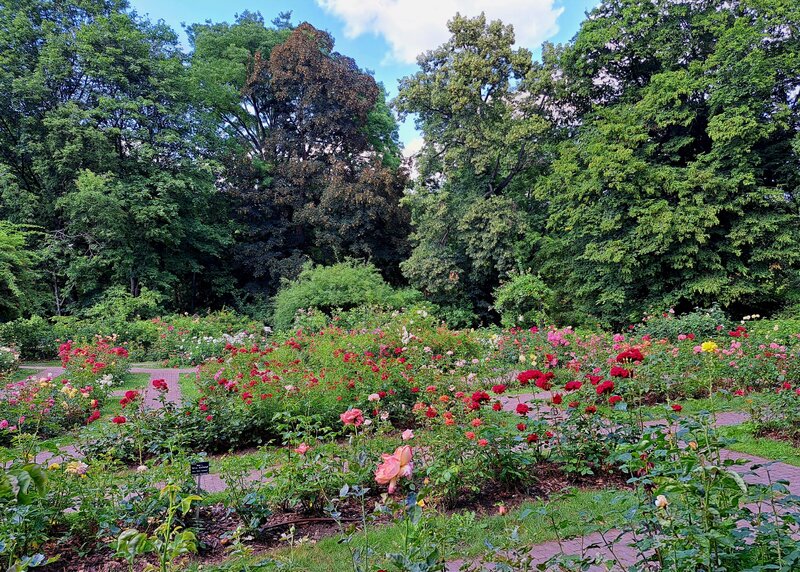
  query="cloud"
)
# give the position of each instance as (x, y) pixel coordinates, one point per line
(412, 26)
(413, 147)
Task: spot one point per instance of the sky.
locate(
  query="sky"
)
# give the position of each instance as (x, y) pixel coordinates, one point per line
(385, 36)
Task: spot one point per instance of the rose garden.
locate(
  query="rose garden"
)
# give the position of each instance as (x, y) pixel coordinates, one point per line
(487, 286)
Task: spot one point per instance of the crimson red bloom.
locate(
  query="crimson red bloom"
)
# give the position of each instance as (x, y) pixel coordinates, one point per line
(499, 388)
(119, 420)
(614, 399)
(557, 399)
(573, 385)
(677, 408)
(523, 409)
(630, 355)
(591, 409)
(605, 387)
(618, 371)
(160, 384)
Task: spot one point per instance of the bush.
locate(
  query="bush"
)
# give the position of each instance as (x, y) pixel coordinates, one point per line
(9, 361)
(703, 323)
(339, 287)
(34, 337)
(523, 301)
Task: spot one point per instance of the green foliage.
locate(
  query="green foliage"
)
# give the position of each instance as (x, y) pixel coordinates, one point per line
(703, 323)
(338, 287)
(16, 271)
(523, 301)
(670, 185)
(468, 206)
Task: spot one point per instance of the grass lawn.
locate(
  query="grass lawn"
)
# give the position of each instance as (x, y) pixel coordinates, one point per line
(136, 381)
(189, 391)
(768, 448)
(463, 534)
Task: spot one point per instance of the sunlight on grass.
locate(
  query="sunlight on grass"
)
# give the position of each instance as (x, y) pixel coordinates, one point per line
(772, 449)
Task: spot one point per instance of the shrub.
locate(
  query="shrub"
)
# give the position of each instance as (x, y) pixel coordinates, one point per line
(341, 286)
(523, 301)
(34, 337)
(701, 322)
(9, 361)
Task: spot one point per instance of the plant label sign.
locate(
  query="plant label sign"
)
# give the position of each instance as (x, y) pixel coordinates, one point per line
(200, 468)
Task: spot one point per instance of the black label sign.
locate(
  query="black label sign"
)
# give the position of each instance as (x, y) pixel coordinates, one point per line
(200, 468)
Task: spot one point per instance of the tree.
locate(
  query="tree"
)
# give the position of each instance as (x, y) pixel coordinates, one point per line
(17, 290)
(483, 142)
(309, 145)
(676, 183)
(89, 87)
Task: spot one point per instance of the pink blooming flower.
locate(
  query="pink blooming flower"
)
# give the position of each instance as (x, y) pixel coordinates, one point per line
(373, 397)
(4, 424)
(407, 434)
(394, 467)
(301, 449)
(352, 417)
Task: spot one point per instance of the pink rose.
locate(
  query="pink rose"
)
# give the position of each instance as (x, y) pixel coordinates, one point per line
(302, 449)
(352, 417)
(408, 434)
(394, 467)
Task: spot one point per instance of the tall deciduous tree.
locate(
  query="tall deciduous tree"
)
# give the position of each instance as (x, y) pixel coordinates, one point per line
(677, 182)
(309, 145)
(483, 143)
(89, 86)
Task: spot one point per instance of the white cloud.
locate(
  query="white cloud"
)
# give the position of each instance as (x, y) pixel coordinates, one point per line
(412, 26)
(413, 147)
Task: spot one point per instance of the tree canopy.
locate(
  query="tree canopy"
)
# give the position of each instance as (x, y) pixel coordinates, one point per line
(652, 161)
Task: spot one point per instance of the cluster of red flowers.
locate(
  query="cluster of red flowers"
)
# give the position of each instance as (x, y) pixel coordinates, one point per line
(540, 379)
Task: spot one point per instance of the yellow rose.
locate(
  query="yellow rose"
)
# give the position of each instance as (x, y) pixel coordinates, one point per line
(709, 347)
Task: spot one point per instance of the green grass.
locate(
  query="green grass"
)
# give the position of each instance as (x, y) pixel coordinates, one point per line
(189, 391)
(137, 381)
(461, 535)
(761, 447)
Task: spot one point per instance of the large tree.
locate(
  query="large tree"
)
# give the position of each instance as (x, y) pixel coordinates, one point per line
(89, 89)
(677, 181)
(483, 144)
(308, 144)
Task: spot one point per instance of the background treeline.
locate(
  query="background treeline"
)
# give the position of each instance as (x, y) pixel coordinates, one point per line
(653, 161)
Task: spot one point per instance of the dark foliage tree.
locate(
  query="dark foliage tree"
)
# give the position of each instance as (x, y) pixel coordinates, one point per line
(309, 145)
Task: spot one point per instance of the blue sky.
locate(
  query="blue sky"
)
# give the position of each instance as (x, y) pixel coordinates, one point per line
(385, 35)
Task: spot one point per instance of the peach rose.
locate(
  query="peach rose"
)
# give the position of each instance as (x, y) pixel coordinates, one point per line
(394, 467)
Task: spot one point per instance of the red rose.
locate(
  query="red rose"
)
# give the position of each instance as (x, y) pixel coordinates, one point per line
(523, 409)
(605, 387)
(557, 399)
(677, 408)
(614, 399)
(119, 420)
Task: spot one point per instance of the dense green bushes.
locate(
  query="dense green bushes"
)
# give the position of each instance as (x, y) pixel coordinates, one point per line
(338, 287)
